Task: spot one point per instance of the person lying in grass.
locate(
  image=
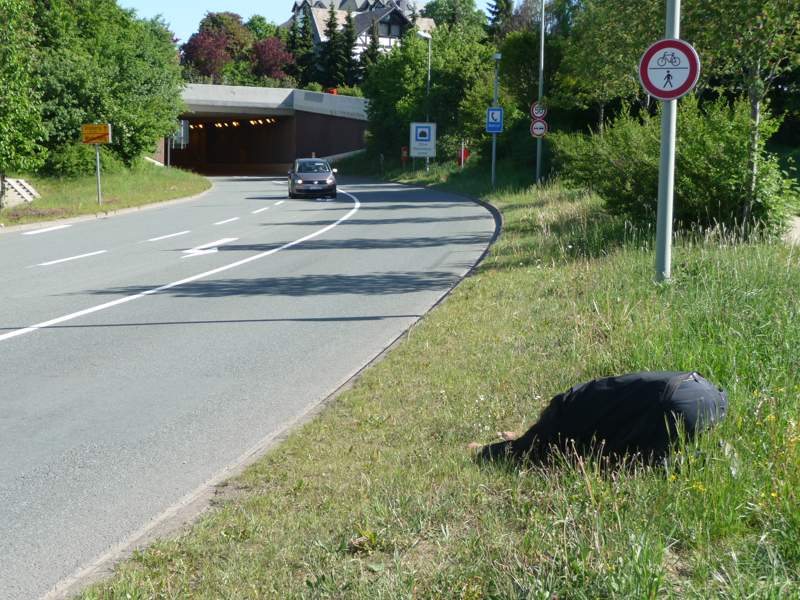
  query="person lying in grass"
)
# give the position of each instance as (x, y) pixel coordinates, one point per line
(634, 415)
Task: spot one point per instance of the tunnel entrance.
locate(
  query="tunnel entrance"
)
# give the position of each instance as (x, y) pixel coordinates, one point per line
(238, 145)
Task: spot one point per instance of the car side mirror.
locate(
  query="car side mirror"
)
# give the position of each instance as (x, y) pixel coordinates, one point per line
(289, 173)
(335, 171)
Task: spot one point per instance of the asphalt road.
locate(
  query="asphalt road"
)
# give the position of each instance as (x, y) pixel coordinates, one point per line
(142, 354)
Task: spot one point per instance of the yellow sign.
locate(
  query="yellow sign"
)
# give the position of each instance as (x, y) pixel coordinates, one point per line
(96, 133)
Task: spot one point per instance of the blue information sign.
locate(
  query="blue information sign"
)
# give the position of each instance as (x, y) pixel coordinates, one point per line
(494, 120)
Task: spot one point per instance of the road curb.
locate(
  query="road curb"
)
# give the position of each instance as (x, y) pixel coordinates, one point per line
(184, 513)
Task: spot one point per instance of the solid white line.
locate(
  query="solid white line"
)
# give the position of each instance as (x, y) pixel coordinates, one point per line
(227, 221)
(239, 263)
(38, 231)
(63, 260)
(279, 203)
(166, 237)
(260, 210)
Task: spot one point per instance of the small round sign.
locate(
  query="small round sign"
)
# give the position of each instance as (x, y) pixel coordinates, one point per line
(538, 111)
(539, 128)
(669, 69)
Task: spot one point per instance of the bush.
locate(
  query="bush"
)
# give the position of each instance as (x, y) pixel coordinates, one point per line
(346, 90)
(74, 160)
(711, 178)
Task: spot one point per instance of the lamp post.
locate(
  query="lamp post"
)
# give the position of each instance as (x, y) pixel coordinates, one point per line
(427, 36)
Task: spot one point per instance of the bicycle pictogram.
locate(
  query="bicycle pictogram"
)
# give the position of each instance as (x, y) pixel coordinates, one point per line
(668, 57)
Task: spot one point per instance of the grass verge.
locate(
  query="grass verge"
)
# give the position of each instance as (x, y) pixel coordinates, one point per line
(377, 498)
(64, 198)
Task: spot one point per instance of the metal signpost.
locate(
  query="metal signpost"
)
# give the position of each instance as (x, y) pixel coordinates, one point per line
(541, 94)
(494, 116)
(97, 134)
(423, 140)
(668, 70)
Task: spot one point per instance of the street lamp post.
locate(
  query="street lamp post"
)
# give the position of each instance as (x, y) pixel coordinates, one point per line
(427, 36)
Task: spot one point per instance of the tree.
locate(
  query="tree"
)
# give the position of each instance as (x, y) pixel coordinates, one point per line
(750, 46)
(261, 28)
(372, 52)
(600, 58)
(239, 38)
(332, 59)
(304, 50)
(21, 129)
(98, 63)
(455, 13)
(501, 14)
(270, 58)
(207, 52)
(348, 41)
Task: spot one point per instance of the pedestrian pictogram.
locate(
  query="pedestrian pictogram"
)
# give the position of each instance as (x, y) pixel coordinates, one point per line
(669, 69)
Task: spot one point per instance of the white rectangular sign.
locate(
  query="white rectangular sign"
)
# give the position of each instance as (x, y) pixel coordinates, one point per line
(423, 140)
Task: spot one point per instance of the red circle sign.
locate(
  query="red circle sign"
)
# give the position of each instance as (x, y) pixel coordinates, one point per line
(669, 69)
(539, 128)
(538, 111)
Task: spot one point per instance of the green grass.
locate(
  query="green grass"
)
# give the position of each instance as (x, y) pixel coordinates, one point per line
(378, 497)
(64, 198)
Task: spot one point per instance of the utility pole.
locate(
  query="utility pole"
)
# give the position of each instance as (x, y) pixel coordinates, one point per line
(541, 95)
(428, 117)
(666, 171)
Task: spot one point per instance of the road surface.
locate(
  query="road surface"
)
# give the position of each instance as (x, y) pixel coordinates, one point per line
(144, 353)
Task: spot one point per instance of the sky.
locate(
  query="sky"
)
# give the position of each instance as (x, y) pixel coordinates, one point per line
(184, 17)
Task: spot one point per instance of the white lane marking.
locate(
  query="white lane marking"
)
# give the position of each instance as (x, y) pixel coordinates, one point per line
(227, 221)
(166, 237)
(49, 229)
(209, 248)
(63, 260)
(222, 269)
(279, 203)
(260, 210)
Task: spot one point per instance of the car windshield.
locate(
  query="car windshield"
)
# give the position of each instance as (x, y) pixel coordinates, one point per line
(313, 166)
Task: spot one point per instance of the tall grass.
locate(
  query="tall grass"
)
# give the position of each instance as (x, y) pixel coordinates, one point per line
(378, 497)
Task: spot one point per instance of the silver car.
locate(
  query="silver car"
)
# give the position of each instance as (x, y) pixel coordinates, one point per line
(312, 177)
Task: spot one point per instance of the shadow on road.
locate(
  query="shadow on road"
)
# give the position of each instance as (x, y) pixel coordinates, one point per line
(303, 285)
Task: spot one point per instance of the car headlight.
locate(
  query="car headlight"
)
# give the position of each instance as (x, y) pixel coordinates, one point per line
(298, 181)
(329, 180)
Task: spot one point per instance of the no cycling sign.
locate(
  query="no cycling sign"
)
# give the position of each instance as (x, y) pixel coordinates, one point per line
(669, 69)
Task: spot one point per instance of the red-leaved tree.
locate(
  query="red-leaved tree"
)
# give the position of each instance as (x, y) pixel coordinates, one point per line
(206, 52)
(271, 59)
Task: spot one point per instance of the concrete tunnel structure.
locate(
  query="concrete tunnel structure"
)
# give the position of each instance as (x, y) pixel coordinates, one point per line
(236, 130)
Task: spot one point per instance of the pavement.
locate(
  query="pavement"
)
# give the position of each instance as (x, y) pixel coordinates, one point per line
(143, 354)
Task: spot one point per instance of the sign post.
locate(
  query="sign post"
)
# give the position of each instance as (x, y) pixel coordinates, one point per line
(541, 93)
(494, 116)
(97, 134)
(668, 70)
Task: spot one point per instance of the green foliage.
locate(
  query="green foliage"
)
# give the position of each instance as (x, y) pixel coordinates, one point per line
(21, 129)
(600, 57)
(350, 90)
(261, 28)
(711, 180)
(371, 53)
(396, 88)
(97, 63)
(333, 56)
(501, 14)
(239, 37)
(304, 50)
(76, 159)
(462, 14)
(348, 41)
